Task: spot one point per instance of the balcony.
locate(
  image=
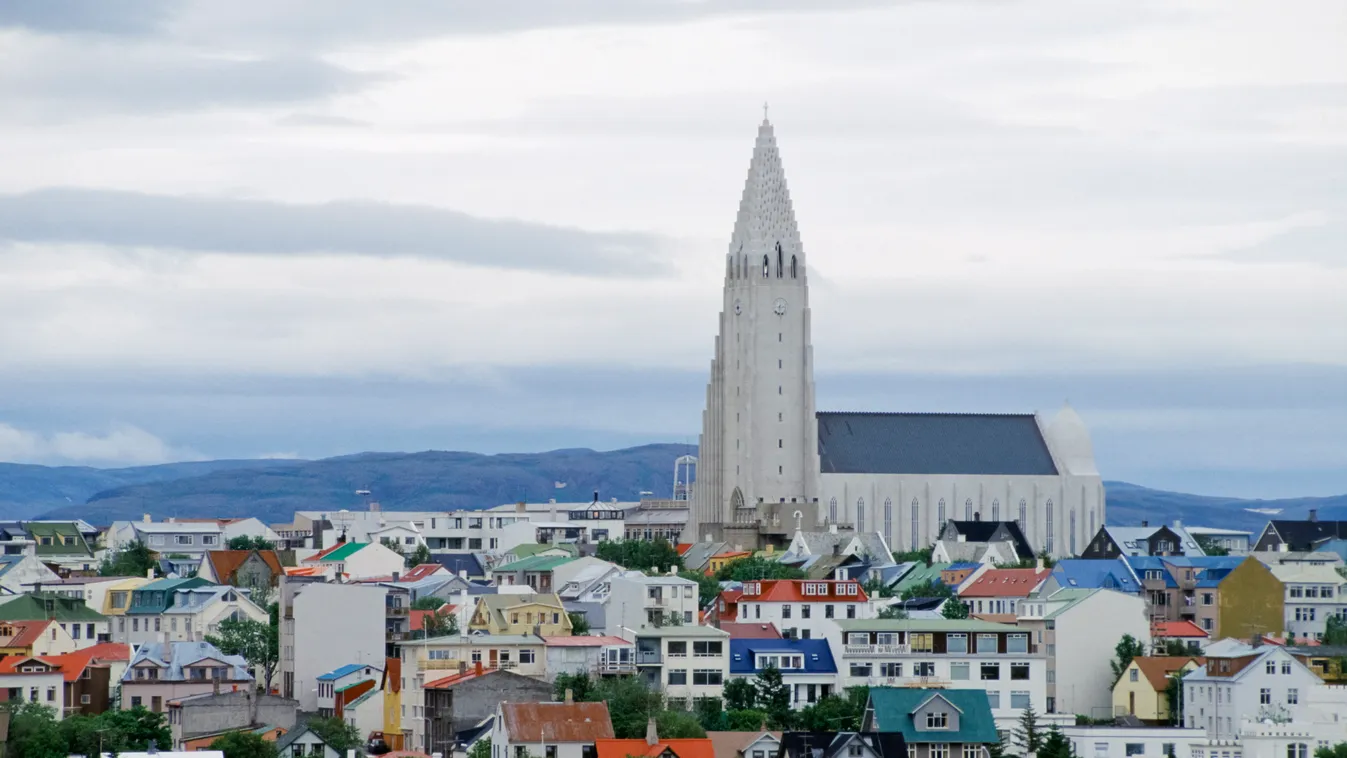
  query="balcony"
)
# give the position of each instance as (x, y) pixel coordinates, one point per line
(609, 668)
(395, 610)
(649, 658)
(396, 636)
(909, 681)
(871, 650)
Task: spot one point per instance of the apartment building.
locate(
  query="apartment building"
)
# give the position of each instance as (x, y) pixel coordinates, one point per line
(1227, 596)
(1312, 594)
(999, 592)
(160, 672)
(637, 601)
(324, 623)
(1264, 683)
(806, 665)
(802, 608)
(687, 662)
(192, 538)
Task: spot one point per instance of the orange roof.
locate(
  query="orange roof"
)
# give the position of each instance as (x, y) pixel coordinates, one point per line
(457, 678)
(1157, 669)
(559, 722)
(225, 562)
(585, 640)
(1005, 583)
(69, 665)
(417, 617)
(683, 547)
(690, 748)
(417, 573)
(25, 632)
(1177, 629)
(109, 651)
(392, 679)
(305, 570)
(743, 631)
(793, 591)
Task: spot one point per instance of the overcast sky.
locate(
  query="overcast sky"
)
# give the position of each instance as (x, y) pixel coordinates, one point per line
(273, 227)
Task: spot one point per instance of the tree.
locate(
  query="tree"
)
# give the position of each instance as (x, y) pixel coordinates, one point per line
(1210, 547)
(678, 725)
(33, 731)
(915, 556)
(394, 545)
(1177, 648)
(438, 625)
(773, 697)
(420, 556)
(894, 611)
(1174, 696)
(579, 624)
(670, 618)
(708, 589)
(641, 555)
(877, 588)
(246, 542)
(996, 749)
(711, 715)
(832, 713)
(580, 685)
(338, 734)
(244, 745)
(257, 642)
(133, 729)
(135, 559)
(928, 588)
(427, 603)
(1028, 735)
(1127, 648)
(480, 749)
(745, 721)
(756, 567)
(740, 695)
(1335, 631)
(1055, 745)
(954, 608)
(1337, 751)
(1048, 560)
(630, 704)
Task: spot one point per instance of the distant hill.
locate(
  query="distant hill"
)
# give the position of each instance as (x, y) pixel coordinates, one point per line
(274, 489)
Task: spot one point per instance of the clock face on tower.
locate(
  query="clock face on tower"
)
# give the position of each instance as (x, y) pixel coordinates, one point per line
(738, 307)
(779, 307)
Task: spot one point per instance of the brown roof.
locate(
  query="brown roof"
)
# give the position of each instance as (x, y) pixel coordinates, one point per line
(1157, 668)
(728, 744)
(746, 631)
(556, 722)
(225, 562)
(25, 632)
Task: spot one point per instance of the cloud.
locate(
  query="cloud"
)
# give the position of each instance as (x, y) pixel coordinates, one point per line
(356, 227)
(82, 16)
(1322, 244)
(120, 445)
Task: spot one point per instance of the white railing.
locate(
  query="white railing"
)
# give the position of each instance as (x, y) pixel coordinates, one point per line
(876, 650)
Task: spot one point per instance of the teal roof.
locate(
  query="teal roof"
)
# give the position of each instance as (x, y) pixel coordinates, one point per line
(343, 552)
(535, 563)
(891, 709)
(920, 574)
(157, 596)
(533, 548)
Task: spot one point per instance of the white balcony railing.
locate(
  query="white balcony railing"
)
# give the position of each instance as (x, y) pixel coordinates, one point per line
(867, 650)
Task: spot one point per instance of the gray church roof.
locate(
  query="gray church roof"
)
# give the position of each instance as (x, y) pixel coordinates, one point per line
(933, 443)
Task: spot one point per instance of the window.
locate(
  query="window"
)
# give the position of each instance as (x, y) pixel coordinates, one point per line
(678, 649)
(1286, 667)
(888, 519)
(851, 611)
(921, 642)
(678, 676)
(527, 656)
(938, 750)
(940, 514)
(1048, 541)
(1292, 696)
(956, 643)
(1136, 748)
(937, 720)
(1019, 700)
(710, 649)
(994, 698)
(1271, 667)
(711, 677)
(1019, 671)
(85, 699)
(1017, 643)
(805, 610)
(915, 511)
(1297, 750)
(991, 671)
(832, 511)
(785, 611)
(987, 643)
(1024, 513)
(958, 671)
(971, 751)
(51, 694)
(828, 611)
(1132, 675)
(183, 539)
(1265, 696)
(860, 669)
(209, 539)
(855, 750)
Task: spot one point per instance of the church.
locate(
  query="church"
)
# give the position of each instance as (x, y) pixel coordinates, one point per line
(770, 464)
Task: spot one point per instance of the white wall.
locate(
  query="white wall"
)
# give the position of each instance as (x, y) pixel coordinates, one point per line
(1086, 635)
(1114, 742)
(334, 624)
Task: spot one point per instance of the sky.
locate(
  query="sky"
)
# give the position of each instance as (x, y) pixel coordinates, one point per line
(292, 229)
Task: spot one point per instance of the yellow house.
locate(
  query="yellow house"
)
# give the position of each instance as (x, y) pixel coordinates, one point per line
(1143, 690)
(117, 598)
(1249, 600)
(521, 614)
(718, 562)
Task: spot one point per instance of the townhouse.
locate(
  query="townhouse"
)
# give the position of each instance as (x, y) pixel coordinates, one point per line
(37, 637)
(806, 665)
(801, 608)
(956, 654)
(1282, 535)
(991, 542)
(535, 572)
(549, 730)
(1143, 689)
(197, 612)
(637, 601)
(951, 723)
(256, 569)
(191, 538)
(63, 544)
(999, 592)
(1144, 540)
(85, 626)
(143, 620)
(1227, 596)
(687, 662)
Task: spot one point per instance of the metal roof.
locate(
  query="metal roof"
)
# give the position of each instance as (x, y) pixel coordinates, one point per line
(818, 657)
(893, 709)
(933, 443)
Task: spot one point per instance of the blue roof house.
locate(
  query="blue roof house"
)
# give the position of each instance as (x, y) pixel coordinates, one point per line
(807, 666)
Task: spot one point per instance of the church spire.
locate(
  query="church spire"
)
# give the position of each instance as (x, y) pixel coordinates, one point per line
(765, 236)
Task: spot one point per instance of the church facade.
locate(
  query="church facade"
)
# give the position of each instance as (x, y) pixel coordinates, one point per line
(770, 464)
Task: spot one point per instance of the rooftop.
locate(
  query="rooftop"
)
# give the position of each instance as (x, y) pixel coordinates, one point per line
(933, 443)
(556, 722)
(585, 641)
(1004, 583)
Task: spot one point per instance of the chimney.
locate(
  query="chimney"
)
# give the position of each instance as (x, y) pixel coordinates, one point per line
(397, 575)
(1038, 563)
(462, 667)
(149, 573)
(651, 733)
(570, 696)
(1145, 522)
(1178, 524)
(145, 518)
(832, 528)
(770, 548)
(1314, 514)
(375, 507)
(837, 547)
(215, 685)
(596, 496)
(520, 507)
(463, 574)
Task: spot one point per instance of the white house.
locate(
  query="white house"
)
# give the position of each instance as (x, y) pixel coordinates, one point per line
(637, 601)
(1313, 593)
(1077, 630)
(303, 742)
(34, 680)
(594, 656)
(197, 612)
(322, 623)
(686, 662)
(249, 527)
(1243, 682)
(803, 608)
(358, 560)
(339, 679)
(191, 538)
(553, 730)
(24, 572)
(999, 591)
(806, 666)
(1132, 741)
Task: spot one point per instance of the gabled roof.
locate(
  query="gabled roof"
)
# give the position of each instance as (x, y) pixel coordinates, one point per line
(45, 605)
(347, 670)
(1304, 535)
(684, 748)
(818, 657)
(1157, 668)
(1102, 573)
(892, 709)
(728, 744)
(225, 562)
(1004, 583)
(919, 575)
(534, 563)
(457, 562)
(1180, 629)
(26, 632)
(172, 662)
(423, 571)
(556, 722)
(299, 731)
(339, 552)
(933, 443)
(747, 631)
(987, 531)
(792, 591)
(1131, 539)
(832, 744)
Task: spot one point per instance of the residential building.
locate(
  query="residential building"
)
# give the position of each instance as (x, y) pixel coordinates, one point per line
(257, 569)
(535, 572)
(1190, 635)
(686, 662)
(303, 742)
(143, 620)
(25, 572)
(979, 553)
(1143, 690)
(1244, 682)
(310, 612)
(463, 565)
(197, 612)
(1313, 593)
(1117, 541)
(344, 684)
(1133, 741)
(85, 626)
(1077, 631)
(956, 654)
(802, 608)
(62, 544)
(195, 746)
(38, 637)
(161, 672)
(920, 574)
(117, 597)
(754, 744)
(358, 560)
(1098, 573)
(887, 744)
(366, 713)
(806, 665)
(34, 680)
(1227, 596)
(594, 656)
(986, 533)
(223, 710)
(168, 537)
(462, 700)
(71, 684)
(1299, 536)
(1235, 541)
(541, 614)
(750, 631)
(549, 730)
(999, 592)
(434, 659)
(933, 723)
(637, 601)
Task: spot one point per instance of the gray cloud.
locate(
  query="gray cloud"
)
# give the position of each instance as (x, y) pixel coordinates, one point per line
(1323, 244)
(356, 227)
(79, 16)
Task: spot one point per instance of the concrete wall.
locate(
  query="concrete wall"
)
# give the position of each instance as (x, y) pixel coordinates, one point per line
(231, 710)
(329, 625)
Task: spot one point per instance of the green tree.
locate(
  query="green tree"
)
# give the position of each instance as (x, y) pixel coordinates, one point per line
(893, 612)
(480, 749)
(1028, 735)
(773, 696)
(1335, 631)
(1174, 697)
(33, 731)
(954, 608)
(244, 745)
(877, 588)
(928, 588)
(579, 624)
(1048, 560)
(630, 704)
(756, 567)
(580, 685)
(1055, 745)
(996, 749)
(671, 618)
(338, 734)
(438, 625)
(133, 729)
(1336, 751)
(711, 714)
(246, 542)
(135, 559)
(427, 603)
(740, 695)
(745, 721)
(257, 642)
(678, 725)
(1210, 547)
(708, 589)
(915, 556)
(419, 557)
(1177, 648)
(830, 714)
(641, 555)
(1127, 648)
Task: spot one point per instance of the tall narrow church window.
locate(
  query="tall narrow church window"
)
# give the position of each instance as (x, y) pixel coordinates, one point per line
(729, 268)
(888, 519)
(832, 511)
(1073, 533)
(860, 515)
(940, 514)
(1047, 543)
(793, 269)
(766, 267)
(780, 262)
(780, 443)
(916, 518)
(996, 510)
(968, 509)
(1092, 523)
(1024, 514)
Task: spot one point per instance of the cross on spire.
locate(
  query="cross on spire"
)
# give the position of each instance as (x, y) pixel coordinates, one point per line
(764, 110)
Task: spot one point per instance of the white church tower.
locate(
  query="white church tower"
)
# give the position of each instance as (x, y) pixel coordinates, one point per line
(758, 471)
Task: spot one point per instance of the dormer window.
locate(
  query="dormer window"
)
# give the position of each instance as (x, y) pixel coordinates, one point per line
(937, 720)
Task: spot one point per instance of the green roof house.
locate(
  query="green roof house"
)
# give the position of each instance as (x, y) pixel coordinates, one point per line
(156, 597)
(61, 542)
(933, 722)
(77, 619)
